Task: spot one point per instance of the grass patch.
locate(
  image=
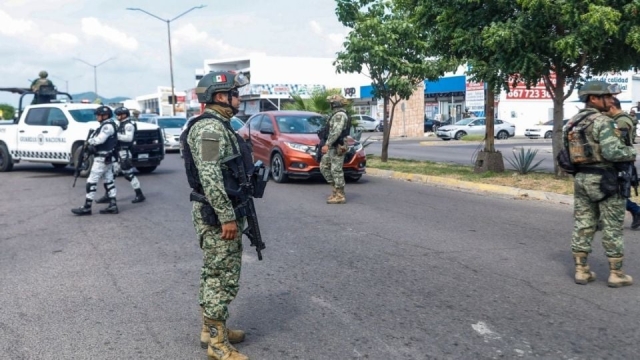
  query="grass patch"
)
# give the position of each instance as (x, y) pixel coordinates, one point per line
(531, 181)
(470, 138)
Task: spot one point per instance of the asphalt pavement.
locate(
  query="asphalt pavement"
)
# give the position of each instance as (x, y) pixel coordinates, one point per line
(402, 271)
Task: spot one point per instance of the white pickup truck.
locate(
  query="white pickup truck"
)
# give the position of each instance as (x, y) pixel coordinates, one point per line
(54, 133)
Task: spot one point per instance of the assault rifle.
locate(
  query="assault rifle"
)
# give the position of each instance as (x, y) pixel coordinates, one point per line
(83, 159)
(323, 134)
(252, 186)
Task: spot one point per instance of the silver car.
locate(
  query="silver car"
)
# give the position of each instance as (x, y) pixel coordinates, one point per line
(171, 127)
(475, 126)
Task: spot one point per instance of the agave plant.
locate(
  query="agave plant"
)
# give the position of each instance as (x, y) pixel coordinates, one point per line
(522, 161)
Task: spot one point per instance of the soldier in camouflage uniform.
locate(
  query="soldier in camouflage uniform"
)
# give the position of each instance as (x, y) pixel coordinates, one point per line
(135, 115)
(335, 149)
(596, 192)
(211, 143)
(42, 80)
(626, 127)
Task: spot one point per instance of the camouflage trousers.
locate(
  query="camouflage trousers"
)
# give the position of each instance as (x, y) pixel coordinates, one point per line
(331, 168)
(220, 274)
(589, 208)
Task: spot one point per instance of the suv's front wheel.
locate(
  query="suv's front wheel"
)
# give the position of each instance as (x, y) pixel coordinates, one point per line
(277, 169)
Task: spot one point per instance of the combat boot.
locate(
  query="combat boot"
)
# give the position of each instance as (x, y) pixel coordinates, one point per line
(339, 198)
(332, 196)
(583, 274)
(139, 197)
(616, 277)
(111, 209)
(636, 220)
(234, 336)
(219, 347)
(83, 210)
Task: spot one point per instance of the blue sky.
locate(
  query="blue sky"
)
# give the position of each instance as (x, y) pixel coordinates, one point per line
(49, 34)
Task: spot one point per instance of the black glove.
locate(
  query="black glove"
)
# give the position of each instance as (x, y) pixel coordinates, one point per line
(91, 150)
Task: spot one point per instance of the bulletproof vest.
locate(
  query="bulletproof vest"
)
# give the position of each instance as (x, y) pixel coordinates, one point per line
(111, 142)
(239, 167)
(324, 132)
(583, 149)
(121, 127)
(40, 82)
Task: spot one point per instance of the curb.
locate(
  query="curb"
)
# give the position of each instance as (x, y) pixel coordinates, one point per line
(516, 193)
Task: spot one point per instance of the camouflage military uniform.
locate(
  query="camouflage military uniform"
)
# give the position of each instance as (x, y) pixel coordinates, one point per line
(589, 201)
(333, 161)
(210, 144)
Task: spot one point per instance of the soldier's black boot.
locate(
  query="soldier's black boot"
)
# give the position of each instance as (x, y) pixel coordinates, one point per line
(636, 221)
(83, 210)
(105, 198)
(139, 197)
(111, 209)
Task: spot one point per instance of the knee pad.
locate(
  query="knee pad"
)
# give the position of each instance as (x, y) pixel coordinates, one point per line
(109, 185)
(129, 176)
(91, 187)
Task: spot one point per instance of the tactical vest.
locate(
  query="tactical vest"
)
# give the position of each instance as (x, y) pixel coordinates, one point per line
(627, 134)
(323, 133)
(241, 162)
(121, 130)
(112, 141)
(582, 147)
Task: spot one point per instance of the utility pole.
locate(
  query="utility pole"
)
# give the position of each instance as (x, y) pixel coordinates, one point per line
(168, 21)
(95, 72)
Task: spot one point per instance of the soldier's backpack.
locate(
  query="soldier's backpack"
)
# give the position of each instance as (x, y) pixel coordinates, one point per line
(579, 150)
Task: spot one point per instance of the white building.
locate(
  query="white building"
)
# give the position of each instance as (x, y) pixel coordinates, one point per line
(275, 78)
(158, 102)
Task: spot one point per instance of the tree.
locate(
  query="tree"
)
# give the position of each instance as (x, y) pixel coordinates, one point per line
(383, 43)
(7, 111)
(317, 102)
(558, 42)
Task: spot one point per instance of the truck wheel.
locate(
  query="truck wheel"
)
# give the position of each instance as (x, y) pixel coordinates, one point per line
(59, 166)
(6, 163)
(146, 170)
(76, 156)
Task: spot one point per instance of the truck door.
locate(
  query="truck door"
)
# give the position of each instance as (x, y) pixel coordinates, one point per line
(41, 137)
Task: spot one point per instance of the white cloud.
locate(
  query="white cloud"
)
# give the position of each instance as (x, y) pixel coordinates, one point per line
(315, 27)
(188, 35)
(65, 38)
(336, 39)
(92, 27)
(10, 26)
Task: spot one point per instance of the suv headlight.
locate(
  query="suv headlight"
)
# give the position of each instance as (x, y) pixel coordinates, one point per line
(302, 148)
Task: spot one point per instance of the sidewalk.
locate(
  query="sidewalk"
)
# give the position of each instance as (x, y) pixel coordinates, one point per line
(515, 193)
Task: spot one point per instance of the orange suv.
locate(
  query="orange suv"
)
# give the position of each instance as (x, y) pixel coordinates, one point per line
(286, 140)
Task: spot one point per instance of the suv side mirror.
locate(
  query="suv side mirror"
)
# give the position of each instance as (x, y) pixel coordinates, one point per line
(63, 123)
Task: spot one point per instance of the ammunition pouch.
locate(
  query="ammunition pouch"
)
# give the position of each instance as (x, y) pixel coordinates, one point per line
(608, 180)
(564, 162)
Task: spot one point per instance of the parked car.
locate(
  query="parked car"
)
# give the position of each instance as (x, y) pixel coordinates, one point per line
(287, 141)
(236, 124)
(366, 122)
(475, 126)
(431, 125)
(172, 128)
(545, 130)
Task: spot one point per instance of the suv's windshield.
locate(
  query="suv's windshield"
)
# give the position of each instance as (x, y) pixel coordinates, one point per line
(83, 115)
(172, 123)
(299, 124)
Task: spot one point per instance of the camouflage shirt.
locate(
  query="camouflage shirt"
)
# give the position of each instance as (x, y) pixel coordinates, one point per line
(625, 124)
(604, 137)
(337, 123)
(210, 144)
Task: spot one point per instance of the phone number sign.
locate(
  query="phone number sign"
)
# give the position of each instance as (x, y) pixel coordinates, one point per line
(535, 93)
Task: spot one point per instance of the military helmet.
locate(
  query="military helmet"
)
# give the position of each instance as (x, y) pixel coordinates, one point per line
(43, 74)
(122, 111)
(103, 110)
(597, 88)
(135, 112)
(337, 100)
(219, 81)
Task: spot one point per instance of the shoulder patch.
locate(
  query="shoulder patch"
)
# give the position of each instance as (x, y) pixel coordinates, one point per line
(210, 146)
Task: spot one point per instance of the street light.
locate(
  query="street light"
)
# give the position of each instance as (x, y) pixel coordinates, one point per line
(95, 73)
(173, 94)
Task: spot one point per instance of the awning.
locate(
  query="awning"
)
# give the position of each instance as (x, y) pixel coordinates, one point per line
(446, 85)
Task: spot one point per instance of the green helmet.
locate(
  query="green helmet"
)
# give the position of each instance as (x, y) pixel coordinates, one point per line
(43, 74)
(597, 88)
(219, 81)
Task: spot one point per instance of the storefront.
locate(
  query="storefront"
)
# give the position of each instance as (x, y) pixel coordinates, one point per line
(444, 99)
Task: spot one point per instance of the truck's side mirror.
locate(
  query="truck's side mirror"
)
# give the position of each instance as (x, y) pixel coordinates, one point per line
(63, 123)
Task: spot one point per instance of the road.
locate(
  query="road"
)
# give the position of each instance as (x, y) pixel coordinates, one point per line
(461, 152)
(402, 271)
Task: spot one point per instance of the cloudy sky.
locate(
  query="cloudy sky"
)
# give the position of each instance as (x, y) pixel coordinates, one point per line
(49, 34)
